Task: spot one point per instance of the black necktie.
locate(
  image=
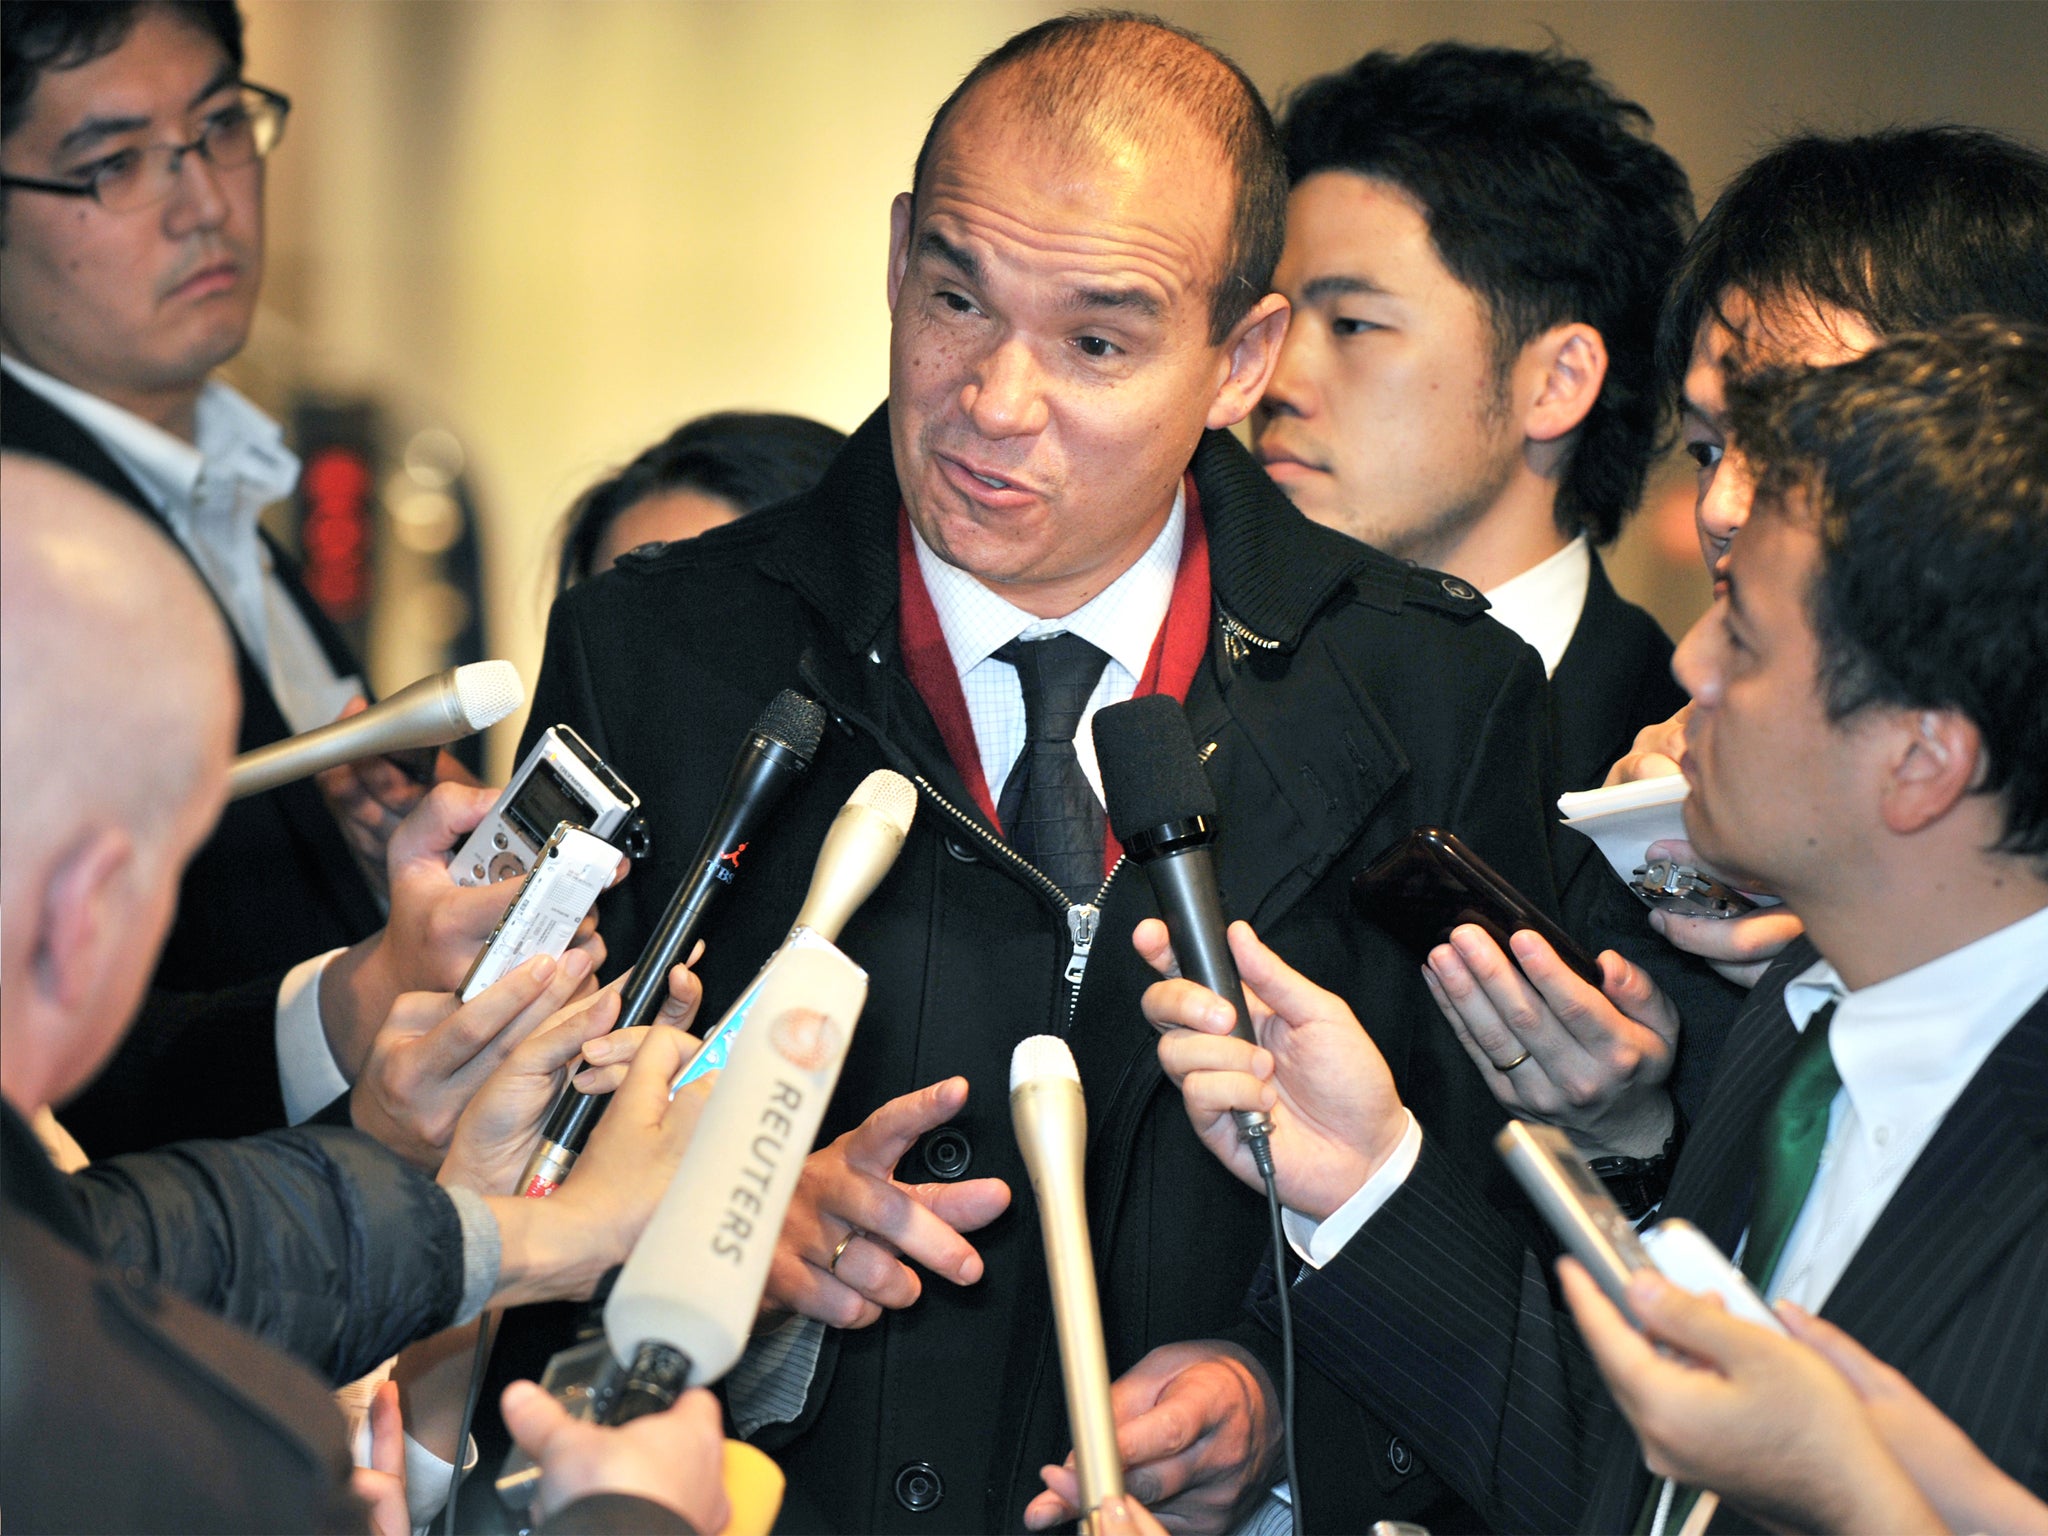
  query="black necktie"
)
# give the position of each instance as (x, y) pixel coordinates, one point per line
(1050, 814)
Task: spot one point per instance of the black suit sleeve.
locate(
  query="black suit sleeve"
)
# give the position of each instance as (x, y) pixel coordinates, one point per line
(194, 1064)
(1444, 1324)
(319, 1242)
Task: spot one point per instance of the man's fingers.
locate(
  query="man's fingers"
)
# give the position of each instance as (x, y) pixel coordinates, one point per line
(1160, 1433)
(878, 1206)
(444, 817)
(1060, 1502)
(1184, 1052)
(461, 1038)
(1743, 940)
(1155, 947)
(873, 1272)
(644, 1096)
(967, 1206)
(1870, 1376)
(1287, 993)
(685, 993)
(387, 1430)
(880, 1141)
(1177, 1004)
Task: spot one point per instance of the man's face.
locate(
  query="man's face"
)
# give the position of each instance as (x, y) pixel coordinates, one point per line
(1792, 332)
(1387, 416)
(1050, 368)
(1775, 793)
(130, 306)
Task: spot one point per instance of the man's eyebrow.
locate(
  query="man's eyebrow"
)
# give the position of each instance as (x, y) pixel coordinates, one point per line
(932, 243)
(1317, 289)
(95, 129)
(1691, 407)
(1136, 300)
(223, 77)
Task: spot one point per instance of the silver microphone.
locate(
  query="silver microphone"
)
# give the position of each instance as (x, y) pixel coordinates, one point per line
(859, 847)
(430, 713)
(1051, 1121)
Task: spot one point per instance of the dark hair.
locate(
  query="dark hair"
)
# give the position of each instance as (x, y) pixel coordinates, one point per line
(1121, 69)
(1904, 229)
(39, 35)
(751, 459)
(1925, 464)
(1546, 198)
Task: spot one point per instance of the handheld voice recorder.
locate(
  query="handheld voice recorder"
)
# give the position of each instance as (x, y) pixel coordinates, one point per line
(571, 873)
(560, 780)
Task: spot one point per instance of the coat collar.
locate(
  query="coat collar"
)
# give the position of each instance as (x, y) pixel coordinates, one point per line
(1271, 569)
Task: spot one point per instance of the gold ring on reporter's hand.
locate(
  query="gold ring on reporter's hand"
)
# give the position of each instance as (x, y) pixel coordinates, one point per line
(1509, 1066)
(839, 1253)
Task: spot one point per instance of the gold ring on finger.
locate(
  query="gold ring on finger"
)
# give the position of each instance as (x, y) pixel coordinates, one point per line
(839, 1253)
(1509, 1066)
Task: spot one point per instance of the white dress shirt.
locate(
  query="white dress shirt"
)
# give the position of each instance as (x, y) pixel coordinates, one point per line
(1906, 1048)
(1543, 604)
(1122, 620)
(210, 494)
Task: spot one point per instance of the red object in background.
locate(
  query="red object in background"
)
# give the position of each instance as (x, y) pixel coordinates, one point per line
(335, 536)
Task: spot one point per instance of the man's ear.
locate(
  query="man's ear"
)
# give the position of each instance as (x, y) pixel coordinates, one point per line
(1571, 361)
(899, 244)
(1936, 760)
(84, 913)
(1252, 351)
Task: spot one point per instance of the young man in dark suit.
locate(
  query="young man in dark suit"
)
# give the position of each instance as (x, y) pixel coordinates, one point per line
(1873, 1146)
(133, 159)
(1477, 243)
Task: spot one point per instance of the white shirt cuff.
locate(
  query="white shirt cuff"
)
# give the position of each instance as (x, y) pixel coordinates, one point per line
(1316, 1243)
(305, 1063)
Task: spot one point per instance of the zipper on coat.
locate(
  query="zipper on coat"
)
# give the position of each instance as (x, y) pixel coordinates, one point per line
(1082, 918)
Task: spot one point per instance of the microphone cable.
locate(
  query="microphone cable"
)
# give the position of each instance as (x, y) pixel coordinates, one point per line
(1262, 1155)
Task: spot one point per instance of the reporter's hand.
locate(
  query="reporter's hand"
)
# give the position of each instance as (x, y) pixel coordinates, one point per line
(1655, 753)
(433, 1053)
(368, 799)
(434, 930)
(498, 1133)
(1198, 1429)
(1969, 1490)
(1740, 948)
(1592, 1060)
(381, 1485)
(1763, 1420)
(1315, 1071)
(675, 1458)
(558, 1248)
(850, 1187)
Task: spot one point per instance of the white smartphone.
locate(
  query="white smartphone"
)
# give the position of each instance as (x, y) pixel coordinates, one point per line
(1687, 1257)
(571, 872)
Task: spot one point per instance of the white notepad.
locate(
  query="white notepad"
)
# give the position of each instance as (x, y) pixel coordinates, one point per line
(1624, 819)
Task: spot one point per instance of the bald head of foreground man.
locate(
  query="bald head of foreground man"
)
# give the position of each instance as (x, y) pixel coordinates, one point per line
(118, 714)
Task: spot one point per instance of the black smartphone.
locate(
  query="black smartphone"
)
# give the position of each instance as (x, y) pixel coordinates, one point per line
(1429, 883)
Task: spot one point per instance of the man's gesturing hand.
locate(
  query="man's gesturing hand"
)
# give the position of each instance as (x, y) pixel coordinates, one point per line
(849, 1188)
(1740, 948)
(1590, 1060)
(674, 1458)
(1198, 1428)
(1336, 1116)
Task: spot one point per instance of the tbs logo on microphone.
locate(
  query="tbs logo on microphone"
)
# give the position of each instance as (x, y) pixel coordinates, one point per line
(732, 858)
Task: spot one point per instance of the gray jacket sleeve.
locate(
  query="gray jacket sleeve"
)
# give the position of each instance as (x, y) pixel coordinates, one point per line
(317, 1240)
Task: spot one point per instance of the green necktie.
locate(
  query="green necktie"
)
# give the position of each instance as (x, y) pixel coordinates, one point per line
(1793, 1134)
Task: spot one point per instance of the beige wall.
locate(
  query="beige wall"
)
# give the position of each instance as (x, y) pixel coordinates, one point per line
(558, 227)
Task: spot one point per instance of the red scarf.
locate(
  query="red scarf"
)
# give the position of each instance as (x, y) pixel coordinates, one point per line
(1177, 652)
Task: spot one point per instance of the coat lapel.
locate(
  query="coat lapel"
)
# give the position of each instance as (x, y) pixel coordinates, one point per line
(1981, 1183)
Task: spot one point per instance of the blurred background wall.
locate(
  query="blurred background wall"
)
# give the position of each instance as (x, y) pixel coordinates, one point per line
(536, 234)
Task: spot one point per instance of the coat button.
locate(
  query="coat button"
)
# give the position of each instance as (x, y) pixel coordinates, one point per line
(918, 1486)
(1462, 590)
(947, 1152)
(959, 849)
(1399, 1457)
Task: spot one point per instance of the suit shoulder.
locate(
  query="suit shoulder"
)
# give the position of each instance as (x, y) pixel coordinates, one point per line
(1401, 586)
(737, 543)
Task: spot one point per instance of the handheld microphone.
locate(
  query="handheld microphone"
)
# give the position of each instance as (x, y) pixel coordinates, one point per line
(684, 1304)
(429, 713)
(1051, 1121)
(776, 753)
(1163, 810)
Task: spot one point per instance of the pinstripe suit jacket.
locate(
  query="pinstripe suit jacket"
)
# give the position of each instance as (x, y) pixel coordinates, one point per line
(1440, 1320)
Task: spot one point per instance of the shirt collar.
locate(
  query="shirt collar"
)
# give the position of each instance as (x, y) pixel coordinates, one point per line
(234, 437)
(1906, 1046)
(1122, 620)
(1543, 603)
